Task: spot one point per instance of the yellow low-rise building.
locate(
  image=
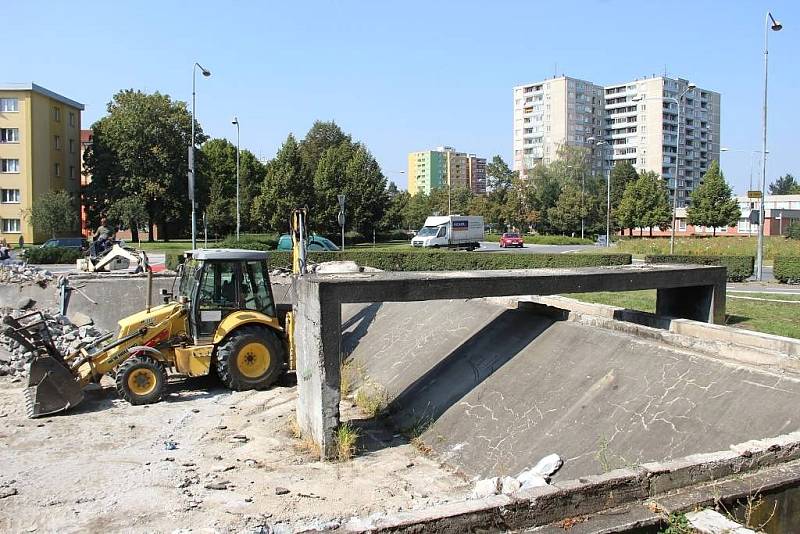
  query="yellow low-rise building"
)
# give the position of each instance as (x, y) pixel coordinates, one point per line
(39, 152)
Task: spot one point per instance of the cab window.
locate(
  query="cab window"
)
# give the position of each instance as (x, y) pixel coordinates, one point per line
(442, 231)
(218, 287)
(255, 290)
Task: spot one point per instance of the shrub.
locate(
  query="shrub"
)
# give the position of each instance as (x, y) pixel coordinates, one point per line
(413, 260)
(786, 269)
(172, 260)
(250, 243)
(52, 255)
(793, 232)
(739, 267)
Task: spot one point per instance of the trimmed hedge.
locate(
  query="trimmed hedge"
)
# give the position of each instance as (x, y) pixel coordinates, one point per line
(452, 261)
(786, 269)
(739, 268)
(52, 255)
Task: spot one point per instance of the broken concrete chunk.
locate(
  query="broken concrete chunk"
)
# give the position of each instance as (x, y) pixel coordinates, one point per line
(545, 467)
(509, 485)
(331, 267)
(486, 487)
(281, 491)
(528, 479)
(24, 303)
(80, 319)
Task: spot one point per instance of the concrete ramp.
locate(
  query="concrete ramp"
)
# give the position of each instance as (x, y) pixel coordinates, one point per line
(496, 389)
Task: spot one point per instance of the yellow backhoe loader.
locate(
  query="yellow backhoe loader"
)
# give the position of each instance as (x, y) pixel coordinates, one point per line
(221, 318)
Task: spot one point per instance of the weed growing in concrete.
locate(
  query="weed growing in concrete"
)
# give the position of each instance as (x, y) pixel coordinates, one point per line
(305, 444)
(294, 428)
(607, 459)
(753, 505)
(350, 373)
(346, 438)
(372, 399)
(677, 524)
(415, 431)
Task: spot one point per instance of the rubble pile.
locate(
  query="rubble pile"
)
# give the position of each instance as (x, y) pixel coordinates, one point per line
(68, 336)
(22, 274)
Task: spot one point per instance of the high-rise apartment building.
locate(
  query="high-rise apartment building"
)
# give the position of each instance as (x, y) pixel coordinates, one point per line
(641, 125)
(432, 169)
(39, 152)
(638, 120)
(552, 114)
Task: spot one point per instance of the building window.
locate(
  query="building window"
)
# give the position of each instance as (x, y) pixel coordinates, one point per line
(57, 114)
(9, 104)
(57, 142)
(72, 146)
(57, 169)
(9, 165)
(72, 172)
(9, 135)
(11, 226)
(72, 119)
(9, 196)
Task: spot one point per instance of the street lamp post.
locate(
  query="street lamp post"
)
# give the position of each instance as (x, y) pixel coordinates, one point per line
(774, 25)
(192, 175)
(603, 145)
(238, 219)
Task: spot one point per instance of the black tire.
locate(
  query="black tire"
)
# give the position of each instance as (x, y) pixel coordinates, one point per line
(148, 373)
(227, 359)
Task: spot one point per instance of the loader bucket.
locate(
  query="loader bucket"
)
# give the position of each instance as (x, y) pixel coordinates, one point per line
(51, 388)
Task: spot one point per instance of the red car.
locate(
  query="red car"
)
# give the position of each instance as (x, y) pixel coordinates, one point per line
(510, 240)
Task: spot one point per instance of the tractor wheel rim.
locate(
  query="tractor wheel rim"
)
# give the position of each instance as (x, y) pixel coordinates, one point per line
(253, 360)
(142, 381)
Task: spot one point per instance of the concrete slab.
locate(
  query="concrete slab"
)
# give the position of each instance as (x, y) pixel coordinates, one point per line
(498, 389)
(694, 292)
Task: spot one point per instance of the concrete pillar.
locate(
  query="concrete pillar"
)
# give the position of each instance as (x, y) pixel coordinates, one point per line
(699, 303)
(317, 335)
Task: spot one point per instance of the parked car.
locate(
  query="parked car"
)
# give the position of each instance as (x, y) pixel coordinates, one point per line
(315, 243)
(78, 243)
(511, 239)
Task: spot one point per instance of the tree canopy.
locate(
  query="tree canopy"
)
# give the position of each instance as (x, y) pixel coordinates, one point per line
(713, 203)
(53, 212)
(645, 203)
(139, 150)
(785, 185)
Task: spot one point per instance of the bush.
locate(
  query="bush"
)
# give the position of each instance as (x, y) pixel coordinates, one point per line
(249, 242)
(739, 268)
(786, 269)
(793, 232)
(452, 261)
(172, 260)
(52, 255)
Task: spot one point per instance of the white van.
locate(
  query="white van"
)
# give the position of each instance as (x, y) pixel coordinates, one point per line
(452, 231)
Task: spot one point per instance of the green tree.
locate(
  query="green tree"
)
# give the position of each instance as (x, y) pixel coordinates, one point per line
(53, 212)
(566, 215)
(785, 185)
(393, 216)
(645, 204)
(284, 188)
(219, 167)
(139, 150)
(321, 137)
(622, 174)
(713, 203)
(128, 213)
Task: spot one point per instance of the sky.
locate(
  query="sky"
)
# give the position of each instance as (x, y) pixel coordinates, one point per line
(403, 76)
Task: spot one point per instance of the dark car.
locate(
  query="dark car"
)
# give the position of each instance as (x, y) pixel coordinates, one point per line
(77, 243)
(315, 243)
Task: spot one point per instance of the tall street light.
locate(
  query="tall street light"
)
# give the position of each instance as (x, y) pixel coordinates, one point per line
(603, 145)
(235, 121)
(752, 159)
(774, 25)
(192, 176)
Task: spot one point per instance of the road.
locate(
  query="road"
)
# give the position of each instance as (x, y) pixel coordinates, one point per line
(492, 246)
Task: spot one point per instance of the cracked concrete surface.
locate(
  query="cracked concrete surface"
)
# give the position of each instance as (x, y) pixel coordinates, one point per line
(497, 389)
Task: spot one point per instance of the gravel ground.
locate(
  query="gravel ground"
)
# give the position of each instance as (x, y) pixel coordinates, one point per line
(108, 466)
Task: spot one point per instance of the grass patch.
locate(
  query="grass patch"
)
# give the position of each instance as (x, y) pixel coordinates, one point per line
(346, 439)
(350, 373)
(710, 246)
(305, 444)
(414, 434)
(372, 399)
(761, 316)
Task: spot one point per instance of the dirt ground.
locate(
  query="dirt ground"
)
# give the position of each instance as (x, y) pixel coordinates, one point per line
(107, 466)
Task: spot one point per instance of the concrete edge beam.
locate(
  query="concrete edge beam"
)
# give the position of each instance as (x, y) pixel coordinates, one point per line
(587, 495)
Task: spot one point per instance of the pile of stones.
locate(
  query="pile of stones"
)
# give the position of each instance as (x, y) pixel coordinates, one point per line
(67, 336)
(21, 274)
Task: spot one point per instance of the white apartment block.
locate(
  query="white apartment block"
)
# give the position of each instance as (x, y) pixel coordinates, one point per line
(638, 120)
(554, 113)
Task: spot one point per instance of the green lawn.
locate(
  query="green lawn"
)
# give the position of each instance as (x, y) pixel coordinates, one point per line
(715, 246)
(762, 316)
